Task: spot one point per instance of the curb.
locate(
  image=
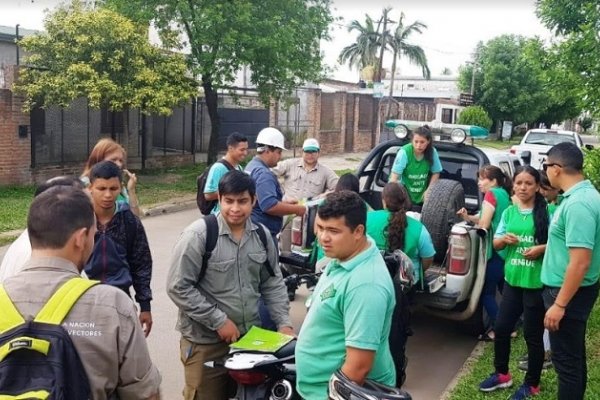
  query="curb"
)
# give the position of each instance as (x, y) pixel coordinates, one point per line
(464, 370)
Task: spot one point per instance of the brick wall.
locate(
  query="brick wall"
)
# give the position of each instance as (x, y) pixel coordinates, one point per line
(15, 152)
(169, 161)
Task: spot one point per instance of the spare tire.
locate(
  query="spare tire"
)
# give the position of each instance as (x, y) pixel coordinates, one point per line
(444, 199)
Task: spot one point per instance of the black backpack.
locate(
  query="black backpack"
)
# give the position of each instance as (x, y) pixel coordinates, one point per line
(37, 358)
(206, 206)
(212, 234)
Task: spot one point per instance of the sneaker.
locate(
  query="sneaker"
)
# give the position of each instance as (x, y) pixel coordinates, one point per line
(525, 392)
(496, 381)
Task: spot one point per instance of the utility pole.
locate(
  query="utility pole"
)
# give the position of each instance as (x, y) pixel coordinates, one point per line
(474, 66)
(384, 18)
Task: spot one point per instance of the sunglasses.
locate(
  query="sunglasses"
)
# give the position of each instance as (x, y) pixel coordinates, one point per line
(546, 165)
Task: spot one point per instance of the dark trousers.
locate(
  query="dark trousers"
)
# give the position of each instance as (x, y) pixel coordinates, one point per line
(265, 316)
(517, 301)
(494, 279)
(568, 342)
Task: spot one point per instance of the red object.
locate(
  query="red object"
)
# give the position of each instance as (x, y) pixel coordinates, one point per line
(248, 377)
(460, 254)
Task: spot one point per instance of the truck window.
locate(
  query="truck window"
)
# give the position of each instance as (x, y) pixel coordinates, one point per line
(505, 167)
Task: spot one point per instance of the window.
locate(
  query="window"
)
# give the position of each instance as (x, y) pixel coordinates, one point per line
(447, 114)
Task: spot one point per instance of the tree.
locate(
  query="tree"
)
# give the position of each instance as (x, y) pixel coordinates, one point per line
(576, 22)
(104, 57)
(370, 41)
(277, 40)
(586, 123)
(509, 82)
(475, 115)
(363, 52)
(446, 71)
(400, 46)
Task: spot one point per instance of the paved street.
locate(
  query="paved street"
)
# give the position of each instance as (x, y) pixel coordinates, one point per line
(437, 346)
(436, 350)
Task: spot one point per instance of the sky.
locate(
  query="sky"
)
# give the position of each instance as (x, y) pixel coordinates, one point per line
(454, 26)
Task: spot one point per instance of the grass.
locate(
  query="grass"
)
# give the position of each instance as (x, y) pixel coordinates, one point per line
(15, 202)
(160, 185)
(497, 144)
(154, 186)
(468, 386)
(341, 172)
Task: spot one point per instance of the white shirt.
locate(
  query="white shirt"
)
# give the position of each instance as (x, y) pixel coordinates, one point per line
(16, 256)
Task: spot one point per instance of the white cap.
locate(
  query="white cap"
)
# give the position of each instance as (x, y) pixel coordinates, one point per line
(311, 144)
(271, 137)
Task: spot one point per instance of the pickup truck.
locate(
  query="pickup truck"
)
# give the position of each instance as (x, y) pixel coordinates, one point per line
(535, 144)
(453, 284)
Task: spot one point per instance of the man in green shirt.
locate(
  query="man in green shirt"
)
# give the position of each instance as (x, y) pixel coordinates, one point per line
(348, 324)
(571, 267)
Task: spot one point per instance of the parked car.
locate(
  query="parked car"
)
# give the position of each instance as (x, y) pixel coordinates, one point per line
(538, 141)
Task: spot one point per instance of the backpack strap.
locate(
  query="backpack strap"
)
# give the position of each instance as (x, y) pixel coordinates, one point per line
(212, 234)
(58, 306)
(262, 234)
(226, 164)
(9, 317)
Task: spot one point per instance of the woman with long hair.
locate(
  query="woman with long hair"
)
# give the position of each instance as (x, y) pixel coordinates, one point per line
(109, 150)
(417, 165)
(392, 229)
(522, 234)
(497, 189)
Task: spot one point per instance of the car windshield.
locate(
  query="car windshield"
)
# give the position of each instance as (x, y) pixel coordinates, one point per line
(548, 139)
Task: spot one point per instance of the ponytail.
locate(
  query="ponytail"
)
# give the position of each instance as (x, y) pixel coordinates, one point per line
(540, 219)
(397, 202)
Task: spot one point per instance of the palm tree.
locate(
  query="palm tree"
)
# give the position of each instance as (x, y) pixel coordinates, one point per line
(364, 51)
(400, 46)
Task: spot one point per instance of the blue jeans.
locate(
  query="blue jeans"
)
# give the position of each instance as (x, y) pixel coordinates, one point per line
(494, 278)
(568, 342)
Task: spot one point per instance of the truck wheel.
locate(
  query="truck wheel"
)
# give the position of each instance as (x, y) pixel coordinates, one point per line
(438, 214)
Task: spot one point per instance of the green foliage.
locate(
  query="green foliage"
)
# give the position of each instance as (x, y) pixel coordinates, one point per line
(364, 51)
(278, 41)
(104, 57)
(586, 123)
(475, 115)
(591, 166)
(576, 23)
(517, 79)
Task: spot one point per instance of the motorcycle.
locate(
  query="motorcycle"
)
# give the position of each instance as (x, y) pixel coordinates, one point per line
(272, 375)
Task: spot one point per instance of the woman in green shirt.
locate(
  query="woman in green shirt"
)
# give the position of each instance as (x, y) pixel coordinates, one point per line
(417, 165)
(392, 229)
(522, 233)
(497, 188)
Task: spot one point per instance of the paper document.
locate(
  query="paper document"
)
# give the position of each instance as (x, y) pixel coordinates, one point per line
(259, 339)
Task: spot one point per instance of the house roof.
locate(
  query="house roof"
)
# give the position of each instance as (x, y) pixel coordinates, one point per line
(9, 33)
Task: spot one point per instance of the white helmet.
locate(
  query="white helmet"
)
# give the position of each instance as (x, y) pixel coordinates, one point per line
(270, 137)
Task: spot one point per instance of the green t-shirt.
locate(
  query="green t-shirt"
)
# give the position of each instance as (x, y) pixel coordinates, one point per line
(500, 200)
(416, 175)
(575, 224)
(519, 271)
(351, 306)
